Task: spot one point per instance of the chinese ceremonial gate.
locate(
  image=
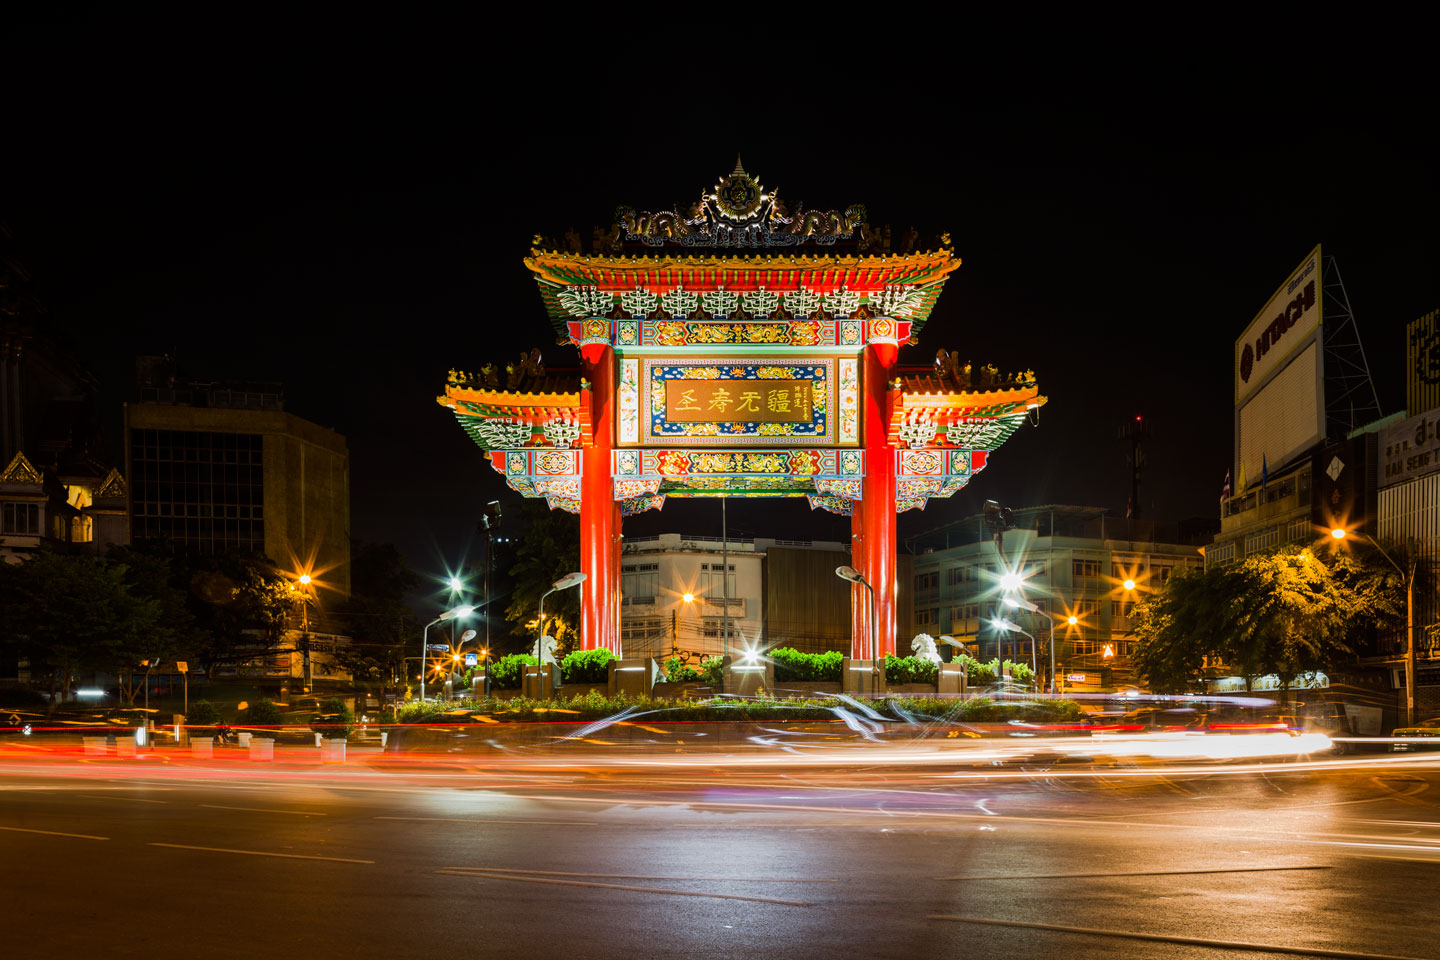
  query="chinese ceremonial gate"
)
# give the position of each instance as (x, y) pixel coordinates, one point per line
(740, 347)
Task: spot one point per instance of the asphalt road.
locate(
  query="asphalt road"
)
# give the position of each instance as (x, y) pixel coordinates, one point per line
(591, 852)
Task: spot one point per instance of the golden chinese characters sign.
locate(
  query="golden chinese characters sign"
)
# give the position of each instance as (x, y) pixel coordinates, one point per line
(749, 400)
(739, 401)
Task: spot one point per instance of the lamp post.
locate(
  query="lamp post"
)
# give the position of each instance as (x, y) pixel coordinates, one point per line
(1009, 626)
(689, 599)
(853, 576)
(1339, 533)
(564, 583)
(1024, 604)
(461, 612)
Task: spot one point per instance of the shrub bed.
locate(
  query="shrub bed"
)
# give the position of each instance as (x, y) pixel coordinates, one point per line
(596, 706)
(586, 666)
(792, 666)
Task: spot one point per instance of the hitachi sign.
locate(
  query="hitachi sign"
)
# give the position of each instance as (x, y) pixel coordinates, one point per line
(1289, 315)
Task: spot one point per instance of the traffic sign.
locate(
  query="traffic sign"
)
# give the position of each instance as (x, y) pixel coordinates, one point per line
(439, 646)
(471, 659)
(182, 666)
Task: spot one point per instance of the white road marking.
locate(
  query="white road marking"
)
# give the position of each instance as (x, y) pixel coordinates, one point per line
(297, 813)
(617, 886)
(1142, 873)
(259, 853)
(131, 799)
(54, 833)
(633, 876)
(562, 823)
(1189, 941)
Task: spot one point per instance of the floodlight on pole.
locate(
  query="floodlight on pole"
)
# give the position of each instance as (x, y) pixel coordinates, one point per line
(1129, 584)
(1022, 603)
(460, 612)
(852, 575)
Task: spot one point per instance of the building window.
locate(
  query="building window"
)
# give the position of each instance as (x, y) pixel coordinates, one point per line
(1033, 568)
(206, 490)
(712, 583)
(1262, 540)
(1087, 608)
(927, 581)
(1122, 608)
(927, 618)
(639, 583)
(20, 518)
(1160, 575)
(1300, 531)
(965, 611)
(1220, 553)
(711, 628)
(958, 575)
(1085, 568)
(992, 610)
(641, 630)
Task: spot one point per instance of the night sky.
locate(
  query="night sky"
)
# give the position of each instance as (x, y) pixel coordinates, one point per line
(356, 228)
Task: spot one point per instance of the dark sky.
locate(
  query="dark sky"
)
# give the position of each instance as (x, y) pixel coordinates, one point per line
(351, 220)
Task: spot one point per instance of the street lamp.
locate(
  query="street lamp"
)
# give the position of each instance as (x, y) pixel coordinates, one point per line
(1009, 626)
(1129, 584)
(1024, 604)
(460, 612)
(1339, 533)
(853, 576)
(564, 583)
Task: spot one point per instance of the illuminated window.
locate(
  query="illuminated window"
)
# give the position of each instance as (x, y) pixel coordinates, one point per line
(1086, 568)
(927, 618)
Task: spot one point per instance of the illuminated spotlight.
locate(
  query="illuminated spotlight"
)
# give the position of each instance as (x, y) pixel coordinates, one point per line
(456, 584)
(305, 579)
(464, 611)
(1129, 584)
(1011, 580)
(688, 598)
(1072, 619)
(1338, 533)
(89, 692)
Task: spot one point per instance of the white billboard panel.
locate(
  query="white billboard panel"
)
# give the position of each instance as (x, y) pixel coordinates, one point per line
(1280, 330)
(1283, 419)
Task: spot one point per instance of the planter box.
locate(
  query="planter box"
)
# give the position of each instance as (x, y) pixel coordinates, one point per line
(859, 678)
(202, 748)
(912, 689)
(634, 678)
(682, 690)
(806, 689)
(749, 678)
(262, 748)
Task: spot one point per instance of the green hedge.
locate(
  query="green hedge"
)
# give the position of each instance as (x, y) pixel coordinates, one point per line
(505, 672)
(334, 720)
(586, 666)
(910, 670)
(203, 713)
(595, 706)
(677, 672)
(262, 712)
(980, 672)
(792, 666)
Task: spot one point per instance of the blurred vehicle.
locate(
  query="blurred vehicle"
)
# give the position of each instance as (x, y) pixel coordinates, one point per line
(1428, 729)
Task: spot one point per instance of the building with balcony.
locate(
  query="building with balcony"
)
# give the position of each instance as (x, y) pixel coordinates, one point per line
(781, 593)
(1072, 561)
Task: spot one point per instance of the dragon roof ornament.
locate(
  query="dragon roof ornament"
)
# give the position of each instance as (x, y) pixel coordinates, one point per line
(739, 212)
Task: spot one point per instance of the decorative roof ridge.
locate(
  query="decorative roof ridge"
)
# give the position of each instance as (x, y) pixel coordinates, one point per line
(112, 486)
(697, 259)
(20, 470)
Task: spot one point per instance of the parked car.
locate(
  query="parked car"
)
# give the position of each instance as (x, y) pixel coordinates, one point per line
(1425, 729)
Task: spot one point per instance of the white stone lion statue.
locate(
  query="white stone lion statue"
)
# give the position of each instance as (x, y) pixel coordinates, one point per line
(924, 647)
(548, 645)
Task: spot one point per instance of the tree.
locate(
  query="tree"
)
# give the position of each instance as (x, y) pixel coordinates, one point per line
(376, 612)
(549, 549)
(1286, 613)
(68, 613)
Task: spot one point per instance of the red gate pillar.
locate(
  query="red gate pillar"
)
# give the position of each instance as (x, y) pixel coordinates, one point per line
(878, 522)
(859, 597)
(599, 516)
